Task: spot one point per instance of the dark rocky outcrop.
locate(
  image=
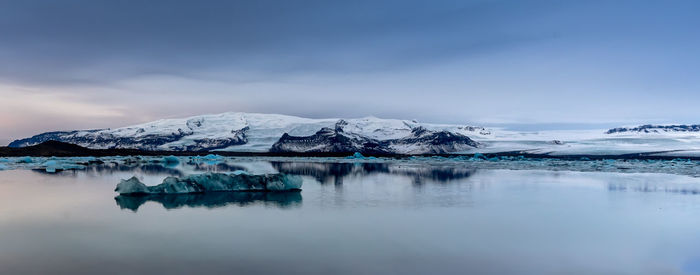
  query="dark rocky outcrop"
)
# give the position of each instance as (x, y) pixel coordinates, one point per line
(49, 136)
(420, 141)
(326, 140)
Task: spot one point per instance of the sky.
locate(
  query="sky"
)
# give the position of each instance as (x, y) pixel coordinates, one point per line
(83, 64)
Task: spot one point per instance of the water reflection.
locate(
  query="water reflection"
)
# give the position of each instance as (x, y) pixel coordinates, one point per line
(213, 200)
(323, 172)
(114, 168)
(337, 173)
(327, 173)
(651, 188)
(377, 221)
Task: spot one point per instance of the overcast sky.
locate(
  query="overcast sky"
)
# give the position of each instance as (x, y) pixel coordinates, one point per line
(75, 64)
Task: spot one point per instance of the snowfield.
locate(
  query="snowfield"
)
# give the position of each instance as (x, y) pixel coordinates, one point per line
(244, 132)
(251, 132)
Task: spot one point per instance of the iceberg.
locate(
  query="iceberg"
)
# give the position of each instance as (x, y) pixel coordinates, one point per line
(55, 165)
(3, 167)
(51, 166)
(357, 155)
(170, 161)
(211, 157)
(212, 182)
(25, 160)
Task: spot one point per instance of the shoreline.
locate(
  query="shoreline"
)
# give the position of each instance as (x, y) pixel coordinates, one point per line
(61, 149)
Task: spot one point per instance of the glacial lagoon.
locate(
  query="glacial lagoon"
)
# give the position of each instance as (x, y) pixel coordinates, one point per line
(352, 216)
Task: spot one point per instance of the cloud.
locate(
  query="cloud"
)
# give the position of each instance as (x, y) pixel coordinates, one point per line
(25, 111)
(52, 103)
(77, 64)
(97, 41)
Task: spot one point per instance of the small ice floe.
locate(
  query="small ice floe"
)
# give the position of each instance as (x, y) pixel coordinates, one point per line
(212, 182)
(170, 161)
(51, 166)
(357, 155)
(54, 165)
(209, 159)
(2, 167)
(478, 156)
(25, 160)
(84, 160)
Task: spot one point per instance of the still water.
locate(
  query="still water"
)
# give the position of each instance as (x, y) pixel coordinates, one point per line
(354, 218)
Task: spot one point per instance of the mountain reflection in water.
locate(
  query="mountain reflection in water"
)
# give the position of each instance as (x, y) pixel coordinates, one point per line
(335, 172)
(388, 217)
(338, 172)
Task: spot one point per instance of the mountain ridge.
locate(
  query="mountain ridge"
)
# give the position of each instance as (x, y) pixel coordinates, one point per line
(254, 132)
(651, 128)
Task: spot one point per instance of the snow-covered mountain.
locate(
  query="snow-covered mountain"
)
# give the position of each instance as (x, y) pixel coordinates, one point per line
(250, 132)
(656, 129)
(339, 139)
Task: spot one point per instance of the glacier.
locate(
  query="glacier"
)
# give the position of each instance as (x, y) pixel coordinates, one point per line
(252, 132)
(212, 182)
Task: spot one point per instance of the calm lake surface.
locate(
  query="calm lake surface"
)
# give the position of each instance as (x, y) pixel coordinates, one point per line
(353, 218)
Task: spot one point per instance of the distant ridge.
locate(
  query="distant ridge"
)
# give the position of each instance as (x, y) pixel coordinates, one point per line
(281, 135)
(649, 128)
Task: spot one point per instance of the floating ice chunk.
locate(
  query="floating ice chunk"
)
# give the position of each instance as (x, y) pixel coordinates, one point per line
(3, 167)
(132, 186)
(357, 155)
(211, 157)
(53, 165)
(477, 156)
(25, 160)
(170, 161)
(212, 182)
(85, 160)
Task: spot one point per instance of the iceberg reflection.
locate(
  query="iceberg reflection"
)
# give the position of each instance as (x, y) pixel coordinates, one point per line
(212, 200)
